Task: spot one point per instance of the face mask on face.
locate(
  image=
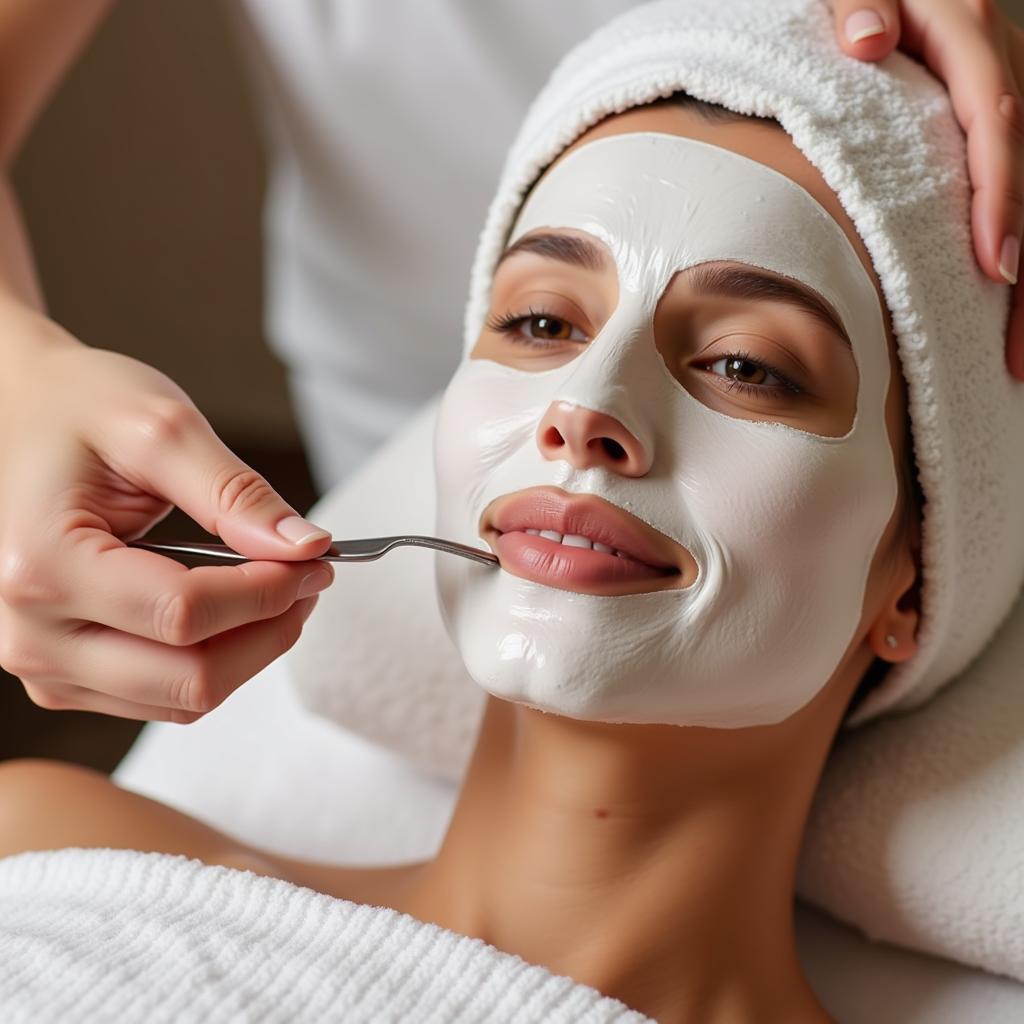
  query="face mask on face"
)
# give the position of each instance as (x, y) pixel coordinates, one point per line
(781, 522)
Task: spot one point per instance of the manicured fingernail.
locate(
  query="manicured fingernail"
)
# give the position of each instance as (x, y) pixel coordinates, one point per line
(316, 581)
(862, 25)
(298, 531)
(1009, 258)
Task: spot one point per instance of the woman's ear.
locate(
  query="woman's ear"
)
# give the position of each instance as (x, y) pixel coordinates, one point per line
(893, 634)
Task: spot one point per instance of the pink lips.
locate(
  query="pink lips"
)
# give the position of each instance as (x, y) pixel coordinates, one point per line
(595, 548)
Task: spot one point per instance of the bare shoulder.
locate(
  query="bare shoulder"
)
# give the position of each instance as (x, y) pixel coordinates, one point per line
(378, 886)
(49, 805)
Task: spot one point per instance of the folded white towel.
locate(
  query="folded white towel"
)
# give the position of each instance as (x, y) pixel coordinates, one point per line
(916, 834)
(375, 657)
(122, 936)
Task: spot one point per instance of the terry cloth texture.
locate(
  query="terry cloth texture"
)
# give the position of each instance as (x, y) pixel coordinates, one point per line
(916, 834)
(884, 138)
(123, 936)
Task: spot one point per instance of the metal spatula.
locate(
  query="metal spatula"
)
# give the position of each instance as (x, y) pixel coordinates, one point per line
(366, 550)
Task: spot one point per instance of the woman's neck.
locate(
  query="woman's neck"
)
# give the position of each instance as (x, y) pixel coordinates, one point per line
(653, 863)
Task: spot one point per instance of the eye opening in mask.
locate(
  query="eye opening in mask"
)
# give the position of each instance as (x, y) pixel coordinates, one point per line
(745, 341)
(746, 319)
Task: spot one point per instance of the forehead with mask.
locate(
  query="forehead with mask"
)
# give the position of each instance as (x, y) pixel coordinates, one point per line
(682, 430)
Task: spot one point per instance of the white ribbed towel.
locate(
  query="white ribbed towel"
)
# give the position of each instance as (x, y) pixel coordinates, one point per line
(122, 936)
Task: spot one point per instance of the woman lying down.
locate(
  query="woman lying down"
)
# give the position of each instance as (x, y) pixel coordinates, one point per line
(682, 426)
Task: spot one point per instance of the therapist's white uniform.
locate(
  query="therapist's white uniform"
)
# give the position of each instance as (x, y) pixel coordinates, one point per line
(388, 121)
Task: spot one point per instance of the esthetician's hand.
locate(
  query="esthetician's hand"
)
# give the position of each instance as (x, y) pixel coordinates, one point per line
(95, 448)
(979, 54)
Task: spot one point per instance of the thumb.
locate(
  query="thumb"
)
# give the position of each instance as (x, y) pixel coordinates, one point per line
(867, 29)
(180, 458)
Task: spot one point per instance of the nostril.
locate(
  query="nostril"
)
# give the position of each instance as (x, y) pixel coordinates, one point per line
(586, 439)
(613, 448)
(552, 438)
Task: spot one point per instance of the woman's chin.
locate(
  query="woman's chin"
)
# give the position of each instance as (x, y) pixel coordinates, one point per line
(578, 569)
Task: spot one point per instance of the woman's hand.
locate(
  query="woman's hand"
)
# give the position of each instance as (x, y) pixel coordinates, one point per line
(979, 54)
(95, 448)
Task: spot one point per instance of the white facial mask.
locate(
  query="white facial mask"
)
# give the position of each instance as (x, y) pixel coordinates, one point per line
(783, 524)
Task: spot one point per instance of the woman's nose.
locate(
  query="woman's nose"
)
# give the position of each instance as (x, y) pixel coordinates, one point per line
(586, 439)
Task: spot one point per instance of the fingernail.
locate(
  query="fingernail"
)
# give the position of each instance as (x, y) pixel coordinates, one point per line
(312, 584)
(1009, 258)
(298, 531)
(862, 25)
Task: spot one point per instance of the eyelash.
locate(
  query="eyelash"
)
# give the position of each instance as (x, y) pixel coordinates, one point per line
(743, 387)
(510, 323)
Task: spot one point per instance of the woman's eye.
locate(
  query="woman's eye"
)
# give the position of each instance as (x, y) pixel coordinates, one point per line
(537, 328)
(743, 372)
(553, 329)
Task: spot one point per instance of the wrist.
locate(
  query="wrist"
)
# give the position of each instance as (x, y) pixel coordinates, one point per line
(24, 332)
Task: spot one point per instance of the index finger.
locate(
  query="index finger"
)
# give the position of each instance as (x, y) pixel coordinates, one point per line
(968, 54)
(170, 449)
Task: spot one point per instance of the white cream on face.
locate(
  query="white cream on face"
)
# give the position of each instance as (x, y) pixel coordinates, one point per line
(783, 523)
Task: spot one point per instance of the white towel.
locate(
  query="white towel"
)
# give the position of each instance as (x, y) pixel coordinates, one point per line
(122, 936)
(375, 656)
(916, 835)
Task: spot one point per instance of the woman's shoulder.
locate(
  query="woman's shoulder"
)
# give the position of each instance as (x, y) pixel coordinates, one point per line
(376, 886)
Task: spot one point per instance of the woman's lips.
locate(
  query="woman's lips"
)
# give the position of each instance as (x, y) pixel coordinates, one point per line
(582, 543)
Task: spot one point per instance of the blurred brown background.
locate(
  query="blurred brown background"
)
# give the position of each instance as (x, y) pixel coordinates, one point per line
(142, 187)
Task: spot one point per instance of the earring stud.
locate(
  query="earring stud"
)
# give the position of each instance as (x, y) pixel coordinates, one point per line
(891, 641)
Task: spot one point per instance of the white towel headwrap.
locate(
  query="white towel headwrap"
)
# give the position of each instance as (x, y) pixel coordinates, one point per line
(884, 138)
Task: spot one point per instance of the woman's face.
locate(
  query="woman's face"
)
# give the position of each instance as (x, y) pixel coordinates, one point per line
(677, 430)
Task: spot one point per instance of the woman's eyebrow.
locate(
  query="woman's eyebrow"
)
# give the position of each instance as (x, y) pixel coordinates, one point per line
(708, 279)
(579, 252)
(741, 282)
